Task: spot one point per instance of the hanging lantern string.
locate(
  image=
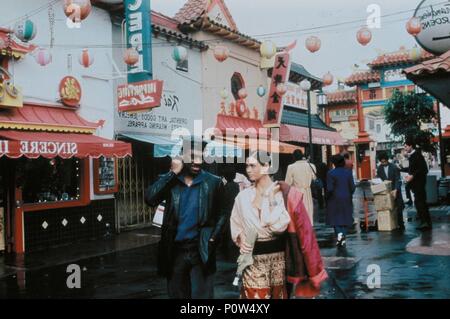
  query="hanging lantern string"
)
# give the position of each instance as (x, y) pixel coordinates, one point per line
(171, 44)
(51, 20)
(30, 13)
(263, 35)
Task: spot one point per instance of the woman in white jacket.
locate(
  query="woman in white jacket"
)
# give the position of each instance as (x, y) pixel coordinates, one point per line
(261, 208)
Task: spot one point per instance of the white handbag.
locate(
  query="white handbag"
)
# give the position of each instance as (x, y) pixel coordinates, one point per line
(159, 214)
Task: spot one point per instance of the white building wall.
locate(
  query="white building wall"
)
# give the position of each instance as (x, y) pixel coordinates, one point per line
(181, 88)
(40, 84)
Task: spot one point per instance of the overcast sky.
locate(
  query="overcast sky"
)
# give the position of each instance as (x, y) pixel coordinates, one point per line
(340, 50)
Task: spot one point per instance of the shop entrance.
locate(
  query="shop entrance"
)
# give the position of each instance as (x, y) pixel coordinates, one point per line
(6, 204)
(135, 174)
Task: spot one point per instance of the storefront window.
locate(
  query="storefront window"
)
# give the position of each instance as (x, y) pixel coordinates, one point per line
(49, 180)
(105, 176)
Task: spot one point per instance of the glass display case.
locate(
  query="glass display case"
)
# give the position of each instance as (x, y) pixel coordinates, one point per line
(105, 176)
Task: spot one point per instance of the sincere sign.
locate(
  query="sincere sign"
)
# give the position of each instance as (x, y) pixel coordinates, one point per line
(434, 16)
(139, 96)
(280, 74)
(33, 149)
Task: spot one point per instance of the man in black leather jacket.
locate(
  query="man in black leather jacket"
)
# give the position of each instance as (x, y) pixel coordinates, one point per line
(193, 220)
(417, 180)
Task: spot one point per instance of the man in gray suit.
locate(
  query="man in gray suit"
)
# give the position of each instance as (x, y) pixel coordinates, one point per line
(390, 172)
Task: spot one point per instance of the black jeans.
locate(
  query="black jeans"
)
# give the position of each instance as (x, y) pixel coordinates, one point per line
(189, 279)
(420, 201)
(408, 192)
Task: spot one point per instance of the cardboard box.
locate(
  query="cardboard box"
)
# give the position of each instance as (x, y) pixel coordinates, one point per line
(384, 202)
(383, 188)
(387, 220)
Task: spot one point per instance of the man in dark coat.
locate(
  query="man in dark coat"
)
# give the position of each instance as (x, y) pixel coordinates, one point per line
(417, 180)
(231, 190)
(340, 189)
(193, 220)
(322, 170)
(390, 172)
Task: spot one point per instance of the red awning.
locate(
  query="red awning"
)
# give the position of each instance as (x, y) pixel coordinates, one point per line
(45, 118)
(291, 133)
(15, 144)
(249, 127)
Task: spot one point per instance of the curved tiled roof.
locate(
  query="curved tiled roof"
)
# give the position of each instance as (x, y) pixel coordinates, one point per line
(178, 37)
(292, 116)
(439, 64)
(208, 25)
(195, 9)
(401, 57)
(362, 77)
(342, 97)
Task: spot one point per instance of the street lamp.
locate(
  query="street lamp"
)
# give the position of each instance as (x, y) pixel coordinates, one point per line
(305, 85)
(322, 99)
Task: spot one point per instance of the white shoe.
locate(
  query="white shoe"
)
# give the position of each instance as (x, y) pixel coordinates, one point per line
(340, 240)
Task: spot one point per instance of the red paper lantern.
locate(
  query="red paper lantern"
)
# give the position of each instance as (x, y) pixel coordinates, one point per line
(131, 56)
(328, 79)
(281, 89)
(413, 26)
(77, 10)
(85, 58)
(313, 44)
(221, 53)
(364, 36)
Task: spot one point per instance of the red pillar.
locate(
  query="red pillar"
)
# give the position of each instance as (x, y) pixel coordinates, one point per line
(363, 167)
(19, 245)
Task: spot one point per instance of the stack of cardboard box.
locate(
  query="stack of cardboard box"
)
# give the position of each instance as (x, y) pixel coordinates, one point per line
(385, 206)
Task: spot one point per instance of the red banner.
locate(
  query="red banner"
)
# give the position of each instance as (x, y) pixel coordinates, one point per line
(139, 96)
(280, 74)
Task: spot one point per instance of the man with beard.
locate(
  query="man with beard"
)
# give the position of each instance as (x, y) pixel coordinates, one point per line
(193, 219)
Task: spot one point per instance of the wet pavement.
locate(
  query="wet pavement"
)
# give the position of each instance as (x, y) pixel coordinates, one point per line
(411, 264)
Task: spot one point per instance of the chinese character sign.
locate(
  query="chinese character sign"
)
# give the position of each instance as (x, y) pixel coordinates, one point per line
(280, 74)
(70, 91)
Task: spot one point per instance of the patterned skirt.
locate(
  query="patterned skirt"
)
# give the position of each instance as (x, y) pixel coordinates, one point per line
(265, 279)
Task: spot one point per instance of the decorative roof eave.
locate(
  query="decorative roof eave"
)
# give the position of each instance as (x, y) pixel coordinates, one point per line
(341, 97)
(13, 48)
(47, 128)
(363, 78)
(208, 25)
(178, 37)
(438, 65)
(398, 59)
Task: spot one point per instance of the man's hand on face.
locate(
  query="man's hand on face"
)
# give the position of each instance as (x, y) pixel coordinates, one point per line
(177, 166)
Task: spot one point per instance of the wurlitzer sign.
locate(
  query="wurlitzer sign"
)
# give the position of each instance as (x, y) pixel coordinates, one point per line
(138, 27)
(434, 16)
(139, 96)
